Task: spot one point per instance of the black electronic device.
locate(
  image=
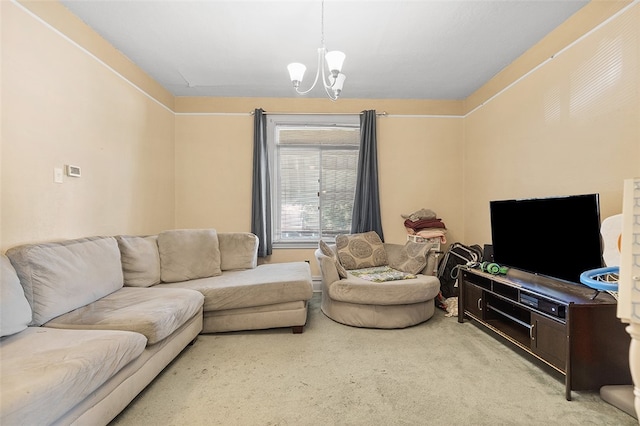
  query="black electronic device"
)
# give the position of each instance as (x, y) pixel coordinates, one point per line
(558, 236)
(487, 253)
(543, 305)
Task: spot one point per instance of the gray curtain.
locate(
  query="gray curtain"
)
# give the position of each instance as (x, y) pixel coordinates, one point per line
(366, 206)
(261, 192)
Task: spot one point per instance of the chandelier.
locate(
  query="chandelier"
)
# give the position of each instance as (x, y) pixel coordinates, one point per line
(331, 61)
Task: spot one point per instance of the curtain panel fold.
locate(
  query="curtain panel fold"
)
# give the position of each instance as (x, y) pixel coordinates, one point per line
(366, 207)
(261, 191)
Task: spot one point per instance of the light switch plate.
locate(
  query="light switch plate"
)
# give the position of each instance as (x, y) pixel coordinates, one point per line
(57, 175)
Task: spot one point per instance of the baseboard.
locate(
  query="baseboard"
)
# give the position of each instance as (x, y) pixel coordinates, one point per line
(317, 284)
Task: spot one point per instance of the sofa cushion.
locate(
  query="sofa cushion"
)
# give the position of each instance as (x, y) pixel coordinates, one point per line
(412, 257)
(238, 250)
(140, 260)
(187, 254)
(45, 372)
(153, 312)
(15, 312)
(61, 276)
(266, 284)
(364, 250)
(327, 251)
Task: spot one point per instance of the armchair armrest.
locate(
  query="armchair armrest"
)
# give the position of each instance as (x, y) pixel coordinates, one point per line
(328, 269)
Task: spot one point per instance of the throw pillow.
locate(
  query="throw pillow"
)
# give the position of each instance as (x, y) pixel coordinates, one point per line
(413, 257)
(364, 250)
(140, 260)
(187, 254)
(326, 250)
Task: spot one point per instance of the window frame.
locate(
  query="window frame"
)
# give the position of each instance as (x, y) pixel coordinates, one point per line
(310, 120)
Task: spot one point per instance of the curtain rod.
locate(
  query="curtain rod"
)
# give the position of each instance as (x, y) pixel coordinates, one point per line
(383, 113)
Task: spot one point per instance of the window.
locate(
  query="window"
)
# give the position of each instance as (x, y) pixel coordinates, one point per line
(315, 160)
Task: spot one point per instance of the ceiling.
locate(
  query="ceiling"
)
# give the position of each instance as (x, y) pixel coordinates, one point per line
(394, 49)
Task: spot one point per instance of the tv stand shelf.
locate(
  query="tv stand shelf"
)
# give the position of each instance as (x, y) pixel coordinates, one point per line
(558, 322)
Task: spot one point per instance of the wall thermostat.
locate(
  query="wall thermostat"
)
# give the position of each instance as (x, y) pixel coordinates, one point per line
(73, 171)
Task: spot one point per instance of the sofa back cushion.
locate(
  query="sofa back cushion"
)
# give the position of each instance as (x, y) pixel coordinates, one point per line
(140, 260)
(238, 250)
(187, 254)
(364, 250)
(61, 276)
(15, 312)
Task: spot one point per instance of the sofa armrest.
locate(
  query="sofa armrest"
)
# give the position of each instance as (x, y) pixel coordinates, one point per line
(238, 250)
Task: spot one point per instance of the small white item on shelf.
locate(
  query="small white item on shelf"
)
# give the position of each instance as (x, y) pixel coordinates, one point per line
(418, 239)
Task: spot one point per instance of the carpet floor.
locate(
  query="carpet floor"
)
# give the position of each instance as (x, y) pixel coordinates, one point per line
(436, 373)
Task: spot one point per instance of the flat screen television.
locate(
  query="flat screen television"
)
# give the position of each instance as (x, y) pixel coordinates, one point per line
(558, 236)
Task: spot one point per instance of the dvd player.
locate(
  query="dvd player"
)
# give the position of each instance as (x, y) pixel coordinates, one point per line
(543, 305)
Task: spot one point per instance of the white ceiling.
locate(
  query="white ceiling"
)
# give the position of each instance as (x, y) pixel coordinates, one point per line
(399, 49)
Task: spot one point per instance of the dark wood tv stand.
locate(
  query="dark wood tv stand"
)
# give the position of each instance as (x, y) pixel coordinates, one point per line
(557, 322)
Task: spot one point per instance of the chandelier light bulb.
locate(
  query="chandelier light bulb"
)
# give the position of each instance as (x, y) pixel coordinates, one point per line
(296, 73)
(335, 59)
(338, 82)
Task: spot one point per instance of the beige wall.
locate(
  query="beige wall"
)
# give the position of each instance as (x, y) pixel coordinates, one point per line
(214, 172)
(153, 162)
(62, 106)
(419, 165)
(572, 126)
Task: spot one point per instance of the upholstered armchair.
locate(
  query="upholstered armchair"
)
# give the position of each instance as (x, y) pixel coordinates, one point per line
(397, 292)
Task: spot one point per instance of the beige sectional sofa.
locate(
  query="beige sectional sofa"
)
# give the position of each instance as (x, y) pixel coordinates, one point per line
(86, 324)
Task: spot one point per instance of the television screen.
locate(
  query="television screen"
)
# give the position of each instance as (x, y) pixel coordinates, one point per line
(557, 237)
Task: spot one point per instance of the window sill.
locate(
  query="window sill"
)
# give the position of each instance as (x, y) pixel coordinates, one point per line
(296, 245)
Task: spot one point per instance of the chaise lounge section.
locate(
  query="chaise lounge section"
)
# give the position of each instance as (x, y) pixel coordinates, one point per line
(239, 293)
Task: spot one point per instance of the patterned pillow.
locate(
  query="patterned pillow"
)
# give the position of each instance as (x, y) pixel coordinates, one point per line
(413, 257)
(326, 250)
(357, 251)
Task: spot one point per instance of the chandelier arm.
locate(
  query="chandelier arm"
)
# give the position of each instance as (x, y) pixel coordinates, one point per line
(320, 64)
(326, 80)
(327, 88)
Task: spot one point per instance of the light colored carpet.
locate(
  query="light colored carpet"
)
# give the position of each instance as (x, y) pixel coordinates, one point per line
(437, 373)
